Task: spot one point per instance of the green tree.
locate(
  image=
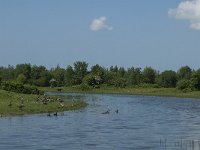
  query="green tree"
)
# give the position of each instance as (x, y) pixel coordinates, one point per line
(40, 76)
(134, 76)
(99, 71)
(69, 76)
(24, 69)
(184, 84)
(59, 75)
(7, 73)
(149, 75)
(53, 83)
(168, 79)
(92, 80)
(121, 72)
(21, 78)
(80, 71)
(184, 72)
(195, 80)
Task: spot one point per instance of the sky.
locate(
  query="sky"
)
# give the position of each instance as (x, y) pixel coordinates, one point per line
(139, 33)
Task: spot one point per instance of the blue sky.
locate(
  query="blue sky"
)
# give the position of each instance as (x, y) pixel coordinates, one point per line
(135, 33)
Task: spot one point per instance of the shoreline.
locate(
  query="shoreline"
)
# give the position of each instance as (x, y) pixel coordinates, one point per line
(164, 92)
(15, 104)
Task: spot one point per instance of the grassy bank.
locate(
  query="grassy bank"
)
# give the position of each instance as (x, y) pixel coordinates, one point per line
(172, 92)
(19, 104)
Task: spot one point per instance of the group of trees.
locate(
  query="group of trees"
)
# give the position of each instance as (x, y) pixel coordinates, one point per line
(79, 74)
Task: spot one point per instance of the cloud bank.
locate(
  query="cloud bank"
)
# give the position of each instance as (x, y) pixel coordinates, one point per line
(99, 24)
(188, 10)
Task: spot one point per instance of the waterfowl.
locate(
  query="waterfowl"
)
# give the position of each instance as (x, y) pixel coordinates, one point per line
(106, 112)
(49, 114)
(117, 111)
(62, 105)
(55, 114)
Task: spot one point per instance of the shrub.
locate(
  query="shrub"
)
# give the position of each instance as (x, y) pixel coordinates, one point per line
(184, 84)
(83, 87)
(20, 88)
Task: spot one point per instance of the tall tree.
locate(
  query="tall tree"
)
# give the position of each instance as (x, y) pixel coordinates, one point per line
(69, 76)
(149, 75)
(58, 74)
(168, 79)
(80, 70)
(184, 72)
(24, 69)
(134, 76)
(195, 80)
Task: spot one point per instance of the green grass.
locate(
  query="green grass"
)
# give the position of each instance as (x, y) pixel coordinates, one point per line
(31, 105)
(171, 92)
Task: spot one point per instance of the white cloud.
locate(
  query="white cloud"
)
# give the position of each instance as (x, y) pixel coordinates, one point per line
(188, 10)
(99, 24)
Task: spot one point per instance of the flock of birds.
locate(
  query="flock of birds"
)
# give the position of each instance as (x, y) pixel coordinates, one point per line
(108, 112)
(62, 113)
(55, 114)
(45, 100)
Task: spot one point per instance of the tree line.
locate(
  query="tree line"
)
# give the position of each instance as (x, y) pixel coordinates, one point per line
(81, 75)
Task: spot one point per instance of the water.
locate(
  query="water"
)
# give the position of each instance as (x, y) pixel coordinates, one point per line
(143, 123)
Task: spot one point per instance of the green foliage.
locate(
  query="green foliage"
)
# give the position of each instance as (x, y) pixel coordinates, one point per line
(83, 87)
(69, 76)
(7, 73)
(134, 76)
(59, 75)
(19, 88)
(21, 78)
(42, 82)
(99, 72)
(33, 104)
(184, 73)
(24, 69)
(145, 85)
(80, 71)
(119, 82)
(149, 75)
(168, 79)
(53, 83)
(40, 76)
(184, 85)
(195, 80)
(96, 77)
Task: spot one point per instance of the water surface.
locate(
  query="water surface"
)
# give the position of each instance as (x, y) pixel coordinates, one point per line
(142, 123)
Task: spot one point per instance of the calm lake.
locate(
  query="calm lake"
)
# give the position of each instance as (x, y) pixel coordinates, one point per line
(142, 123)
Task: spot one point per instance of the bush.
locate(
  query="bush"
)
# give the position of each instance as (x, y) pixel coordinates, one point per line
(21, 79)
(184, 85)
(149, 86)
(19, 88)
(84, 87)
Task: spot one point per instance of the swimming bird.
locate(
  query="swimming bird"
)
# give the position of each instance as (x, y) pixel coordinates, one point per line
(117, 111)
(55, 114)
(49, 114)
(106, 112)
